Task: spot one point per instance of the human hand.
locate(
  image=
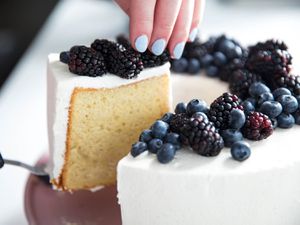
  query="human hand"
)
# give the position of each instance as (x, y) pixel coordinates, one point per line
(157, 24)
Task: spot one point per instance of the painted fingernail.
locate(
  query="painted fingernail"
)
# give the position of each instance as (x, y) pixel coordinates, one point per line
(193, 34)
(158, 46)
(178, 50)
(141, 43)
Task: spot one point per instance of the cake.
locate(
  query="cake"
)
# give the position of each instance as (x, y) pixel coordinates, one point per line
(193, 189)
(92, 121)
(231, 161)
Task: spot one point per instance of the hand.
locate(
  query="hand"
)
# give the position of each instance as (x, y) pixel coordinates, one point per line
(157, 24)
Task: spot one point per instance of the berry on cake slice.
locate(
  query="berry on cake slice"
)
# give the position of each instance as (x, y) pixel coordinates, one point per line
(160, 129)
(154, 145)
(167, 117)
(166, 153)
(257, 127)
(178, 121)
(138, 148)
(240, 151)
(180, 108)
(146, 136)
(174, 139)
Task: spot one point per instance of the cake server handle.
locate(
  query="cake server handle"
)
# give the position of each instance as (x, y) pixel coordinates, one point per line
(36, 170)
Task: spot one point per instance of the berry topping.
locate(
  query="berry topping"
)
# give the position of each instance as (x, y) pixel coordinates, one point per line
(281, 91)
(196, 105)
(180, 108)
(86, 62)
(64, 57)
(138, 148)
(154, 145)
(221, 108)
(178, 121)
(159, 129)
(146, 136)
(240, 151)
(198, 114)
(151, 60)
(289, 103)
(231, 136)
(166, 153)
(167, 117)
(202, 136)
(257, 89)
(257, 127)
(240, 82)
(173, 138)
(236, 119)
(285, 120)
(271, 108)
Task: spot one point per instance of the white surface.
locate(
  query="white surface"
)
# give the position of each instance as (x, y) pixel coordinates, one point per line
(193, 190)
(60, 85)
(23, 128)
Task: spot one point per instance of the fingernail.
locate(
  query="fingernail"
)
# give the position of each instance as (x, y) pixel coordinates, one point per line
(193, 34)
(178, 50)
(158, 46)
(141, 43)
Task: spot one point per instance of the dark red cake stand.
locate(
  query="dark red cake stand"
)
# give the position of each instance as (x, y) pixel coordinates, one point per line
(45, 206)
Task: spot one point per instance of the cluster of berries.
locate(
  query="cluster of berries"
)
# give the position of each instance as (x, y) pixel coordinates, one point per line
(104, 56)
(218, 56)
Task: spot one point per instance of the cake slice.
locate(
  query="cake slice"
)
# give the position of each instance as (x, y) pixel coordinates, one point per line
(92, 121)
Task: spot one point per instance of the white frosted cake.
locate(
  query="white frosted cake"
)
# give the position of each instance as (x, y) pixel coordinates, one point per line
(86, 115)
(196, 190)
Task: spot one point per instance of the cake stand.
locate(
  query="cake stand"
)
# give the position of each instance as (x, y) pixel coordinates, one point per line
(46, 206)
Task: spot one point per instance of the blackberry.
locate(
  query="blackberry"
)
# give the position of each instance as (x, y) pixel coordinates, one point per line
(220, 109)
(227, 70)
(123, 40)
(240, 82)
(151, 60)
(86, 61)
(291, 82)
(194, 49)
(177, 122)
(268, 59)
(202, 136)
(121, 61)
(258, 126)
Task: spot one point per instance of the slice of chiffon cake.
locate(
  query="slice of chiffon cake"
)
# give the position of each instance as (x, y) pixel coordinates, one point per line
(92, 121)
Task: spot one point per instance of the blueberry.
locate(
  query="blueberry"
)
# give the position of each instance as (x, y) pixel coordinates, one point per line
(154, 145)
(231, 136)
(297, 117)
(285, 120)
(248, 107)
(64, 57)
(179, 65)
(138, 148)
(281, 91)
(236, 52)
(207, 60)
(237, 119)
(298, 99)
(226, 46)
(166, 153)
(289, 103)
(271, 108)
(240, 151)
(180, 108)
(252, 100)
(146, 136)
(159, 129)
(174, 139)
(265, 97)
(196, 105)
(1, 161)
(212, 71)
(274, 123)
(258, 88)
(167, 117)
(193, 66)
(200, 114)
(219, 59)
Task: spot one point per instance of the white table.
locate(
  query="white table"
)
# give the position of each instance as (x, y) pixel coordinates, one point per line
(23, 133)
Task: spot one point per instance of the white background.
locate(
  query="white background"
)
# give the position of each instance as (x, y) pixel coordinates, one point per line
(23, 132)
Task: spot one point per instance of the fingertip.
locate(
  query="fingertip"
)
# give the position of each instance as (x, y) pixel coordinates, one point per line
(141, 43)
(178, 50)
(193, 34)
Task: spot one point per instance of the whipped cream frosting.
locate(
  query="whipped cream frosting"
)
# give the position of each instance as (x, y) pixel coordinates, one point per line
(194, 190)
(60, 85)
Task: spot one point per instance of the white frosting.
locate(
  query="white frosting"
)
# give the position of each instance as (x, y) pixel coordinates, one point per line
(60, 85)
(193, 190)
